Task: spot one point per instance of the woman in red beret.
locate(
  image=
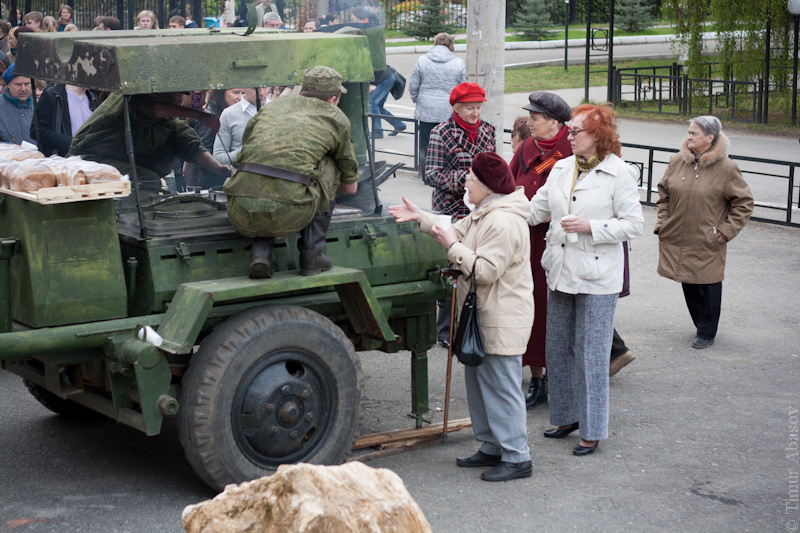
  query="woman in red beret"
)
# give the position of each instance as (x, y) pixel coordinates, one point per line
(491, 248)
(452, 146)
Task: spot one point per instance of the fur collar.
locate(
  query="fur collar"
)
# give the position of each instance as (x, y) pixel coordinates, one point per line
(717, 152)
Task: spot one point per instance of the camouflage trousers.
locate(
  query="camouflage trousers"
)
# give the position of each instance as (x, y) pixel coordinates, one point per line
(271, 217)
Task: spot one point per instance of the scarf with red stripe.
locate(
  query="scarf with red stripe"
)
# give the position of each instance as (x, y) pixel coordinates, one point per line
(470, 129)
(545, 147)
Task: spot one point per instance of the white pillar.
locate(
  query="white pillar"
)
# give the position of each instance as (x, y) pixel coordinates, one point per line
(486, 27)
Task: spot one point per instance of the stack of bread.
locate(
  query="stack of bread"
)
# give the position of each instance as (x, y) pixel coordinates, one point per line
(28, 170)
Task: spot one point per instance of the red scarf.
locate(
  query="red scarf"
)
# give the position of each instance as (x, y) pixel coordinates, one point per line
(470, 129)
(546, 146)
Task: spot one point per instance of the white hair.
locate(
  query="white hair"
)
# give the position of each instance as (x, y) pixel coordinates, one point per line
(709, 124)
(271, 15)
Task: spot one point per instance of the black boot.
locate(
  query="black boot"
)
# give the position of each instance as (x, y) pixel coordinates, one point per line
(537, 393)
(261, 265)
(311, 243)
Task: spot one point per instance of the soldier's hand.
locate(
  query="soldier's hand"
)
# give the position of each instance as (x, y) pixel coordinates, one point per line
(226, 171)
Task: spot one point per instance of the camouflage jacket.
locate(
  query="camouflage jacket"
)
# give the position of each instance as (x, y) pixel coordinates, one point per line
(158, 143)
(295, 133)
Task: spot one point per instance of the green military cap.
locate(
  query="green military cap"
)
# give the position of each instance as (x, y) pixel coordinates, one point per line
(322, 80)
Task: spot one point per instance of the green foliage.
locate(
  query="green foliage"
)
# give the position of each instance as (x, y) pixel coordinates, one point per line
(533, 19)
(432, 18)
(633, 15)
(742, 40)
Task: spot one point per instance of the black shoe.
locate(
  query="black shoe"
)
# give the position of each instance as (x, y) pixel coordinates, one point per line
(508, 471)
(701, 343)
(397, 130)
(585, 450)
(537, 393)
(478, 459)
(556, 433)
(445, 343)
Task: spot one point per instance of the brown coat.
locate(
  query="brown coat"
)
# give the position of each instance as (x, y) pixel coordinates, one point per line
(696, 201)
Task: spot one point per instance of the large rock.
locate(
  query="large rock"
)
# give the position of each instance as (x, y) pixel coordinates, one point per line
(309, 498)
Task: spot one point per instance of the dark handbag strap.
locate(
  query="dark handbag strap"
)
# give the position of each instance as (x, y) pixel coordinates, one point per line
(275, 172)
(472, 276)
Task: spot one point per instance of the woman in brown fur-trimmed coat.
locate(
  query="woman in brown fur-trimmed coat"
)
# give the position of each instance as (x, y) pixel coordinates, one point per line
(703, 203)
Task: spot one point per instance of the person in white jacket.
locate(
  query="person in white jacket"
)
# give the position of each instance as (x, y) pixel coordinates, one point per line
(434, 76)
(494, 241)
(593, 201)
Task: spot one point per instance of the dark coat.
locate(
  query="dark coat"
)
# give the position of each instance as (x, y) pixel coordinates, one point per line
(524, 166)
(55, 128)
(698, 200)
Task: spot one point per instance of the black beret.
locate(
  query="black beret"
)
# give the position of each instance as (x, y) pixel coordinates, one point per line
(549, 104)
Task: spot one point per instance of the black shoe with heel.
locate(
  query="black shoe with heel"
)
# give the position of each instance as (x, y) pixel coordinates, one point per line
(556, 433)
(537, 393)
(585, 450)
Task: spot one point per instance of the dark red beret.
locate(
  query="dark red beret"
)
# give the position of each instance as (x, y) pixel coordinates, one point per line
(467, 92)
(493, 172)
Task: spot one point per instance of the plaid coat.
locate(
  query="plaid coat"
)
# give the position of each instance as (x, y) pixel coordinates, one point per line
(449, 158)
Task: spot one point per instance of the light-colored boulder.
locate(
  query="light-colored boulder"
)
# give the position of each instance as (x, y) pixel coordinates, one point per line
(311, 498)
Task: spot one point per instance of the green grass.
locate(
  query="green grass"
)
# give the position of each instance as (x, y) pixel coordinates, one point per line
(553, 77)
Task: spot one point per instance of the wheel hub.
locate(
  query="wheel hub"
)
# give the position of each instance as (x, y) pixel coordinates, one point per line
(277, 409)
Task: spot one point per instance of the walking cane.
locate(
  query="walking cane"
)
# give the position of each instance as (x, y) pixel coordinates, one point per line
(454, 273)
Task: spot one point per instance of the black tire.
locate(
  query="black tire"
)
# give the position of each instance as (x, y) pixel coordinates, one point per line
(55, 403)
(269, 386)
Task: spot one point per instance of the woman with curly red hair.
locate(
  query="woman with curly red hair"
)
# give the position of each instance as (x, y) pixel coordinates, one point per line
(593, 201)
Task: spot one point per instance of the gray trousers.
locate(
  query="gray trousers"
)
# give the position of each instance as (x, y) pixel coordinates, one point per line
(580, 328)
(497, 407)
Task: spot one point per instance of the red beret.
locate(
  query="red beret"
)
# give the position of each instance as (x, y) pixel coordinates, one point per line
(467, 92)
(493, 172)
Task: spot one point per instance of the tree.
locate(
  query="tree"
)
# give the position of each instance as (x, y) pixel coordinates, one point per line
(432, 17)
(533, 18)
(633, 15)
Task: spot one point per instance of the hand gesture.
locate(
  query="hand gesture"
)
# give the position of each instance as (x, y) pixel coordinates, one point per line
(408, 212)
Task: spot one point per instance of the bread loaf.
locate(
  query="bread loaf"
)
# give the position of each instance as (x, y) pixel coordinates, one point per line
(30, 176)
(18, 153)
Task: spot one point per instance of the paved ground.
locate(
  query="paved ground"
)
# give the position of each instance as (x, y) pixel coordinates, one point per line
(699, 440)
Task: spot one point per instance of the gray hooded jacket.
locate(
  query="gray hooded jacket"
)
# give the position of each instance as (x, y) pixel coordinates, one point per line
(434, 76)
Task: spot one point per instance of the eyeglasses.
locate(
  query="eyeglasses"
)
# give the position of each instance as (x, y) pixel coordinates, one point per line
(573, 131)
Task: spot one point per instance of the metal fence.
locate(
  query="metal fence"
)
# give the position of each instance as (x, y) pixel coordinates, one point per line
(394, 14)
(664, 90)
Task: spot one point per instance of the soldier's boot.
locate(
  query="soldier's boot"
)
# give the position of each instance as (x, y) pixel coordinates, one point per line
(261, 265)
(311, 243)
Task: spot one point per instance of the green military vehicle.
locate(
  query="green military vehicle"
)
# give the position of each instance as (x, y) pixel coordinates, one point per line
(142, 309)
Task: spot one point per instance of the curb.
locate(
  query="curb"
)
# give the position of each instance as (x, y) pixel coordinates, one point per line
(542, 45)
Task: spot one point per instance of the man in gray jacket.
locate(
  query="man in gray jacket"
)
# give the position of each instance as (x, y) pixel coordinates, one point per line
(16, 109)
(434, 77)
(232, 122)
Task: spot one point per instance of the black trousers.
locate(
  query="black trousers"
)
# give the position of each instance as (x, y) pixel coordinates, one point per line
(704, 302)
(617, 345)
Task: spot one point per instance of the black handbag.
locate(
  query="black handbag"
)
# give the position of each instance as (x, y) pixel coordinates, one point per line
(468, 344)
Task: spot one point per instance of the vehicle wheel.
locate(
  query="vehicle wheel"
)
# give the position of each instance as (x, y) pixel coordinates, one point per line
(269, 386)
(56, 403)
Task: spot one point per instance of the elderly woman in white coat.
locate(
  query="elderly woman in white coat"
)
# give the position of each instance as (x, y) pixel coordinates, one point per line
(494, 240)
(593, 201)
(434, 76)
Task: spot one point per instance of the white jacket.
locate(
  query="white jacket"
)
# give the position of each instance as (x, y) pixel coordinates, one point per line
(609, 198)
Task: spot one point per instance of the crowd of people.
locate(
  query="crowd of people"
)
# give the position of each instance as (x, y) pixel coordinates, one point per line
(543, 240)
(581, 203)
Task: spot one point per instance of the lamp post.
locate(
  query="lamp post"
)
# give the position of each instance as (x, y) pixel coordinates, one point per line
(566, 31)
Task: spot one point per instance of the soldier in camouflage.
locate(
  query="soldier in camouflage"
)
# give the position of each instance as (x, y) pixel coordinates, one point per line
(296, 155)
(159, 137)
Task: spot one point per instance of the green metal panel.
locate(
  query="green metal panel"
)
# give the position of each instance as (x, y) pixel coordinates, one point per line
(68, 267)
(193, 301)
(140, 62)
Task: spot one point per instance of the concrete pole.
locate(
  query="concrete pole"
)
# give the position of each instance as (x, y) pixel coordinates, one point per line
(486, 27)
